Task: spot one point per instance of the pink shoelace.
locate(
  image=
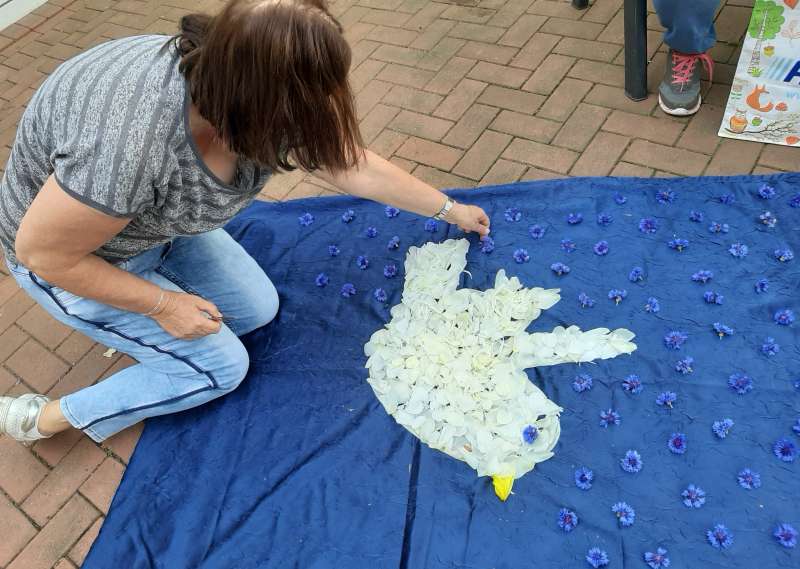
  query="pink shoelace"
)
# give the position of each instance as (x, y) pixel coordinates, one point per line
(683, 65)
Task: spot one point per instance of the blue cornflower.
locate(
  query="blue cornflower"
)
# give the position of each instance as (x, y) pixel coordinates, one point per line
(657, 560)
(585, 301)
(796, 427)
(625, 514)
(617, 295)
(786, 535)
(582, 382)
(738, 250)
(604, 219)
(741, 383)
(390, 271)
(529, 434)
(712, 297)
(770, 347)
(536, 231)
(636, 275)
(371, 232)
(513, 214)
(684, 366)
(619, 199)
(306, 219)
(584, 478)
(568, 245)
(648, 225)
(795, 201)
(785, 450)
(394, 243)
(362, 262)
(559, 269)
(391, 211)
(608, 418)
(722, 428)
(727, 199)
(348, 216)
(768, 218)
(784, 255)
(702, 276)
(720, 537)
(666, 399)
(677, 443)
(601, 248)
(717, 227)
(762, 285)
(567, 520)
(632, 384)
(696, 216)
(322, 280)
(675, 339)
(693, 496)
(631, 462)
(665, 196)
(574, 218)
(784, 317)
(333, 250)
(652, 305)
(748, 479)
(521, 256)
(431, 225)
(380, 295)
(597, 558)
(722, 330)
(487, 245)
(766, 191)
(348, 289)
(678, 244)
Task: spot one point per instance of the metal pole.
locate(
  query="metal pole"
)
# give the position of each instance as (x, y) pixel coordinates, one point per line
(636, 49)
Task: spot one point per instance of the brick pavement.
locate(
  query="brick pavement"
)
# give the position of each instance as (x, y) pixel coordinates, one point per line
(459, 92)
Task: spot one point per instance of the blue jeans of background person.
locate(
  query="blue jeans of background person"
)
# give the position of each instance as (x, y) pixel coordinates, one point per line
(172, 374)
(689, 24)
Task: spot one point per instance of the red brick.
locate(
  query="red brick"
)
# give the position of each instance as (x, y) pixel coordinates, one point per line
(449, 75)
(615, 98)
(534, 52)
(126, 361)
(487, 52)
(581, 126)
(63, 481)
(498, 74)
(503, 172)
(533, 173)
(525, 126)
(387, 142)
(304, 190)
(412, 99)
(36, 366)
(101, 486)
(429, 153)
(64, 563)
(564, 99)
(555, 8)
(397, 54)
(86, 372)
(521, 30)
(124, 443)
(57, 537)
(403, 164)
(780, 157)
(628, 169)
(390, 35)
(540, 155)
(420, 125)
(511, 99)
(602, 12)
(470, 126)
(39, 324)
(15, 307)
(462, 97)
(480, 157)
(426, 16)
(20, 472)
(467, 14)
(601, 155)
(16, 530)
(403, 75)
(10, 341)
(666, 158)
(74, 347)
(55, 448)
(7, 381)
(549, 74)
(508, 11)
(731, 23)
(597, 72)
(585, 49)
(375, 121)
(765, 170)
(8, 288)
(365, 73)
(655, 129)
(433, 34)
(385, 17)
(733, 157)
(369, 96)
(81, 549)
(441, 180)
(583, 30)
(477, 32)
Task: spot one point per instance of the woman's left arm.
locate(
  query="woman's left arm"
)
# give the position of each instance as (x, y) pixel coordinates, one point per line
(378, 179)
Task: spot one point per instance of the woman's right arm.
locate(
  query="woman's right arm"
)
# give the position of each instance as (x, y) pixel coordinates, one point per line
(56, 240)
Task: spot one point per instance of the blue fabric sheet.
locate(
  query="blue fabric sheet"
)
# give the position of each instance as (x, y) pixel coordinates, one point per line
(302, 468)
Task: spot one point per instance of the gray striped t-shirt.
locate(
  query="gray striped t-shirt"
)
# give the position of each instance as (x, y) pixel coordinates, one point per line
(112, 125)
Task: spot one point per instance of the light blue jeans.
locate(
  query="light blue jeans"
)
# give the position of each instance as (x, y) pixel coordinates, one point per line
(172, 374)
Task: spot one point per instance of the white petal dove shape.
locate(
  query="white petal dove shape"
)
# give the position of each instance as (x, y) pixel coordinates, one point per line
(449, 366)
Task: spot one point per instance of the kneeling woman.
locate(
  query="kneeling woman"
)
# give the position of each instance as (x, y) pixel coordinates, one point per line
(127, 162)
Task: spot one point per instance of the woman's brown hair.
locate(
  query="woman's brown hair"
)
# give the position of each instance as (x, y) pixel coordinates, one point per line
(271, 77)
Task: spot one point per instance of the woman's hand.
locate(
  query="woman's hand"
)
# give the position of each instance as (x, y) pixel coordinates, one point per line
(187, 316)
(469, 218)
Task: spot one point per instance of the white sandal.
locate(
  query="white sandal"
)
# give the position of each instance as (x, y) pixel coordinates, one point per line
(19, 417)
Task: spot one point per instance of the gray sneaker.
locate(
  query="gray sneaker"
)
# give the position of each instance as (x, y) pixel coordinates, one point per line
(19, 416)
(679, 92)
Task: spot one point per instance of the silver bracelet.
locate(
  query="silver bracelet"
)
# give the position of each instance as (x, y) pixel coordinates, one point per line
(448, 205)
(154, 310)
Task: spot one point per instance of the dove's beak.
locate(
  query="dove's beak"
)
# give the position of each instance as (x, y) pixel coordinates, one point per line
(502, 486)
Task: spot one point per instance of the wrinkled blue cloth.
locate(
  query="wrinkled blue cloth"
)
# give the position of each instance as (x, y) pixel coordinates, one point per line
(302, 468)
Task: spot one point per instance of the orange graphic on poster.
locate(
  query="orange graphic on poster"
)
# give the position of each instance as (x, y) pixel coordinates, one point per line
(753, 100)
